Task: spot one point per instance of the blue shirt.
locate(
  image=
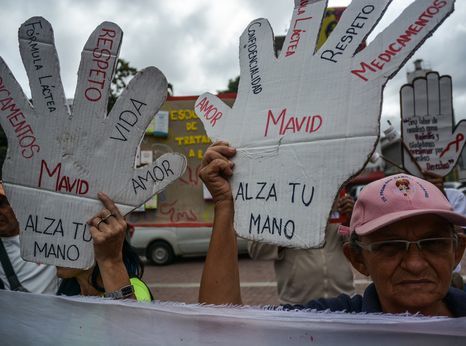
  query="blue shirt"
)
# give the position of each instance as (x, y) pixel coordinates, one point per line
(369, 302)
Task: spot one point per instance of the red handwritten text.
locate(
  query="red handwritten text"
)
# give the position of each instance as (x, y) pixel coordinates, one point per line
(293, 124)
(401, 42)
(23, 131)
(296, 33)
(98, 74)
(459, 138)
(62, 183)
(192, 176)
(209, 111)
(169, 209)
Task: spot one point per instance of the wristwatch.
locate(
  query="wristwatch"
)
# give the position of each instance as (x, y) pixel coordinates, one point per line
(122, 293)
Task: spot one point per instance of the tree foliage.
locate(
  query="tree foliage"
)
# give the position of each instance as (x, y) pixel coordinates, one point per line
(123, 74)
(232, 86)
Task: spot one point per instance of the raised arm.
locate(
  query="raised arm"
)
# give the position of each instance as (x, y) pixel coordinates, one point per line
(108, 229)
(220, 278)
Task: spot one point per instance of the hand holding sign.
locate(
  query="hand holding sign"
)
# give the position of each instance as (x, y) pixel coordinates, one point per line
(429, 131)
(57, 162)
(307, 121)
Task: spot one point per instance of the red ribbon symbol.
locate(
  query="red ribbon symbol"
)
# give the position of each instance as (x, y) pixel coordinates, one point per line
(457, 141)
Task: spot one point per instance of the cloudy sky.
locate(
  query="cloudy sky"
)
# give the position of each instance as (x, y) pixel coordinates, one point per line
(195, 42)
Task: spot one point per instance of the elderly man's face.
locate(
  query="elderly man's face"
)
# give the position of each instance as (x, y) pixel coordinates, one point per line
(413, 280)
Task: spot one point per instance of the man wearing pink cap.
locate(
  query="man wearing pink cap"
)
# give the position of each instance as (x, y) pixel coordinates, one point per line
(402, 234)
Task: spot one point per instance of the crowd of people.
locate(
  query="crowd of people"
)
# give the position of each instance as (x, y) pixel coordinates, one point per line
(403, 232)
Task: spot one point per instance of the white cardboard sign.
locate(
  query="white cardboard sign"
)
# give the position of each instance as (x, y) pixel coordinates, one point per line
(429, 131)
(306, 122)
(57, 162)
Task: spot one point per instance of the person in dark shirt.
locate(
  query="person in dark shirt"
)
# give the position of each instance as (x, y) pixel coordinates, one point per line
(402, 234)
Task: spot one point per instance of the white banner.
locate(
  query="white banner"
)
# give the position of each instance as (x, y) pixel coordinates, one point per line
(30, 319)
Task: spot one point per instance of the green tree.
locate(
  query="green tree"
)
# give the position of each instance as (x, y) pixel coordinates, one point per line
(232, 86)
(123, 74)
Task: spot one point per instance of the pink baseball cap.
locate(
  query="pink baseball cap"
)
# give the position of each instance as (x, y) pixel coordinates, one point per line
(396, 198)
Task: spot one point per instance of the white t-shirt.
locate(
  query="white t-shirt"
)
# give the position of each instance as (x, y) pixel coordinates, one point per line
(36, 278)
(457, 200)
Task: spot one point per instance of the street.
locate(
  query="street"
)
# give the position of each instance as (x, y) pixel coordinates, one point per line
(180, 281)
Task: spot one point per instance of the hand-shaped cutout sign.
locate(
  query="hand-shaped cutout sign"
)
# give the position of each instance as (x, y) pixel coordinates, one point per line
(306, 122)
(428, 128)
(58, 161)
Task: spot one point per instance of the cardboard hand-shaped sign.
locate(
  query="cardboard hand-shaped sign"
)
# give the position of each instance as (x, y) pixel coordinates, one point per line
(428, 129)
(306, 122)
(58, 161)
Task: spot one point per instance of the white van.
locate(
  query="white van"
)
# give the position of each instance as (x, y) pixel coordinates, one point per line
(161, 245)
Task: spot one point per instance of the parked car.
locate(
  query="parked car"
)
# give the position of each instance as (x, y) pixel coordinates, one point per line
(161, 245)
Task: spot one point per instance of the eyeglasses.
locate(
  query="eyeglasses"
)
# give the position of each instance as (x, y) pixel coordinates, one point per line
(432, 246)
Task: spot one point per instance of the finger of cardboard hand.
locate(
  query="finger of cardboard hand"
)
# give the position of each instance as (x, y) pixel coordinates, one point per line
(40, 59)
(349, 24)
(213, 113)
(15, 102)
(134, 110)
(433, 93)
(95, 74)
(396, 43)
(420, 97)
(457, 139)
(301, 39)
(407, 101)
(256, 52)
(446, 97)
(150, 180)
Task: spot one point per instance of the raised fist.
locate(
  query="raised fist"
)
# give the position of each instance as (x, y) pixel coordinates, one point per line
(306, 122)
(58, 160)
(428, 126)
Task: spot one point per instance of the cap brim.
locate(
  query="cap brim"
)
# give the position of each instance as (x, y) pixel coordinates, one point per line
(388, 219)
